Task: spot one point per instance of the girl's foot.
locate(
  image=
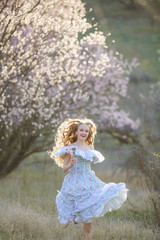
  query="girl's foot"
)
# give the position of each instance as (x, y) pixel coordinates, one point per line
(75, 222)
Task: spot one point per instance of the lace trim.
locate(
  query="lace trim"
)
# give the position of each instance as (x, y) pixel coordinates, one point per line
(90, 155)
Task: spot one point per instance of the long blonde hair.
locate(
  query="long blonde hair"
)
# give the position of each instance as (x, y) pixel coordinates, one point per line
(67, 134)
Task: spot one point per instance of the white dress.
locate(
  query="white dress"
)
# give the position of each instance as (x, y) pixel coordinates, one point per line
(84, 196)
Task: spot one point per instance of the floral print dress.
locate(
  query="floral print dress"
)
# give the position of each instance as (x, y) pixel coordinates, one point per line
(84, 196)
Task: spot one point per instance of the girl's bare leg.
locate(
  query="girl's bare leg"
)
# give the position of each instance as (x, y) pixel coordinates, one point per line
(87, 230)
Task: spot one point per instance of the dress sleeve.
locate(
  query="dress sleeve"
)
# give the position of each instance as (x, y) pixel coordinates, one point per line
(97, 157)
(62, 151)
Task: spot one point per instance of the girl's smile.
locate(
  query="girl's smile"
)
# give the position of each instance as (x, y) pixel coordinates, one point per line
(82, 132)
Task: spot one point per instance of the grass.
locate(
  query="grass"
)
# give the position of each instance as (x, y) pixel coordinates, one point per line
(28, 210)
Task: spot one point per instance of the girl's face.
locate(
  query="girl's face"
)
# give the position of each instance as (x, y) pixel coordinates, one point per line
(82, 132)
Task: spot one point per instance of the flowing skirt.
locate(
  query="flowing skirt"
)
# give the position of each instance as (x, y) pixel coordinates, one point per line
(83, 199)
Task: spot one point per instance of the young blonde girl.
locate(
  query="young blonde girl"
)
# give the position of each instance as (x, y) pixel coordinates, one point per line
(83, 196)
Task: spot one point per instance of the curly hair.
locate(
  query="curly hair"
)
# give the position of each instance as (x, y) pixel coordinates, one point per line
(66, 134)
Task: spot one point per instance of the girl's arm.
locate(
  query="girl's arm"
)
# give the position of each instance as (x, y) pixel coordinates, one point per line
(69, 161)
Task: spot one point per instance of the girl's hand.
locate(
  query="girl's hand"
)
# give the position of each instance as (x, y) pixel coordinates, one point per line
(72, 160)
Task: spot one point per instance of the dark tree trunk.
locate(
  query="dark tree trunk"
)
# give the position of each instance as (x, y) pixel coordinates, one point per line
(16, 146)
(13, 154)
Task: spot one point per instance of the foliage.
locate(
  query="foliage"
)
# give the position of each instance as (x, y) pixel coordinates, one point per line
(47, 75)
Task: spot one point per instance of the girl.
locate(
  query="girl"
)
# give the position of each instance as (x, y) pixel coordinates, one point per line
(83, 196)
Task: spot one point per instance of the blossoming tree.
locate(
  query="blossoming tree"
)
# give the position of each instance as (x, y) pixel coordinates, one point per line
(48, 74)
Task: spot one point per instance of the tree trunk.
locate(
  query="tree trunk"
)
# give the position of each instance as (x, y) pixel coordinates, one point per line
(13, 152)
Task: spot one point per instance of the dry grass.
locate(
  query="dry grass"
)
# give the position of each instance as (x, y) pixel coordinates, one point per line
(20, 222)
(28, 211)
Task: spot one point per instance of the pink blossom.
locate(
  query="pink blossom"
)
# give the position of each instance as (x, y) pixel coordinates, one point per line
(48, 74)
